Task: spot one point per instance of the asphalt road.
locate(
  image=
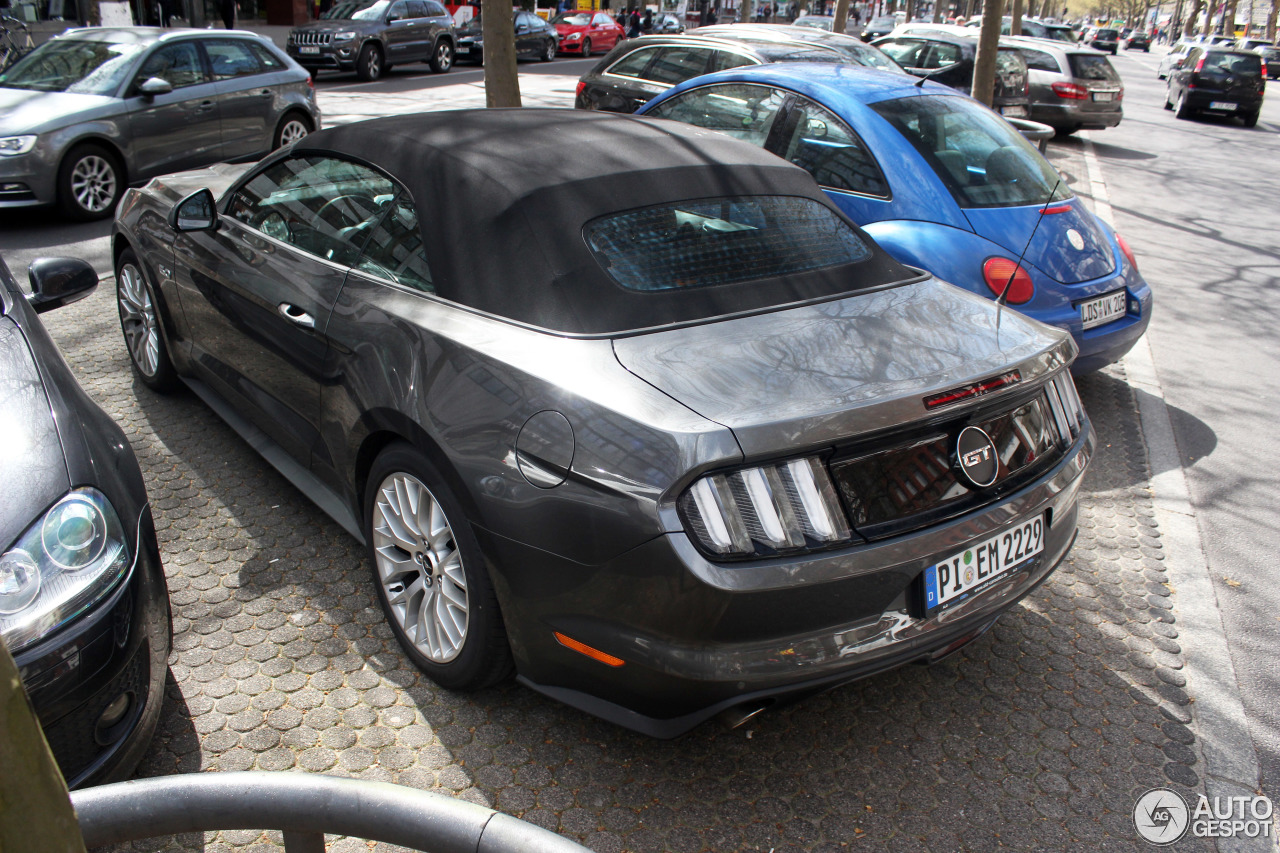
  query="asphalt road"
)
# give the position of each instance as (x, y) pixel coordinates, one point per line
(1197, 201)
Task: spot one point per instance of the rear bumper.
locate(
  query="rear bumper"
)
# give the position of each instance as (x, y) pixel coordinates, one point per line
(1074, 115)
(1199, 99)
(698, 638)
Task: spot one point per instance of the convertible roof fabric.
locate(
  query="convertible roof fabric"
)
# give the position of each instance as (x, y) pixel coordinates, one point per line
(503, 194)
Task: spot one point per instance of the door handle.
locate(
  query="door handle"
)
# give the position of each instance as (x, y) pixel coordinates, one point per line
(204, 106)
(297, 316)
(265, 93)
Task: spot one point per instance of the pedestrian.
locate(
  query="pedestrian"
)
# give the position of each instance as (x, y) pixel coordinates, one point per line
(711, 17)
(228, 9)
(646, 25)
(633, 31)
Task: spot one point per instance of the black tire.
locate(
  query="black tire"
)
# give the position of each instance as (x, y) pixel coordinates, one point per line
(586, 47)
(90, 183)
(1182, 110)
(370, 63)
(442, 58)
(293, 127)
(1251, 119)
(1063, 132)
(484, 656)
(548, 50)
(141, 325)
(1160, 76)
(1168, 104)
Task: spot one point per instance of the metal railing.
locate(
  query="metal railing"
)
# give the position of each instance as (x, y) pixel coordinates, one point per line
(305, 807)
(1033, 131)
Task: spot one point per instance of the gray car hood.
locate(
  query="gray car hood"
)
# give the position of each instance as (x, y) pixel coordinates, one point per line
(805, 377)
(24, 111)
(33, 470)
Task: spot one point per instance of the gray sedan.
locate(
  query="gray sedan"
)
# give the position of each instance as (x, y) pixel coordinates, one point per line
(94, 110)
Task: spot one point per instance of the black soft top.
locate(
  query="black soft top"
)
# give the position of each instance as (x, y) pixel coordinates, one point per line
(503, 194)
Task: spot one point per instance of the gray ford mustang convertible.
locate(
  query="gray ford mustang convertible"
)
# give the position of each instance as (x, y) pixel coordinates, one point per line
(652, 426)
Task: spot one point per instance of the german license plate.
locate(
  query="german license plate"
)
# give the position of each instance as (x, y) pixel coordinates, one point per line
(1104, 309)
(308, 49)
(1221, 105)
(1016, 112)
(463, 50)
(1104, 96)
(977, 567)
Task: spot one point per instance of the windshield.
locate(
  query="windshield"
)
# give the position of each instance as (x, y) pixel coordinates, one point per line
(573, 19)
(721, 241)
(79, 67)
(982, 160)
(358, 10)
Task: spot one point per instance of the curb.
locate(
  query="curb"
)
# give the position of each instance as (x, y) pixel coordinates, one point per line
(1230, 761)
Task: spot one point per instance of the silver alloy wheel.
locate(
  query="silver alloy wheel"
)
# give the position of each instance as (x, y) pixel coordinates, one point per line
(138, 317)
(420, 567)
(293, 130)
(444, 56)
(373, 67)
(93, 183)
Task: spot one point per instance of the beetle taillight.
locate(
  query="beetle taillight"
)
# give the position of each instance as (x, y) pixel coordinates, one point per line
(1001, 274)
(1128, 253)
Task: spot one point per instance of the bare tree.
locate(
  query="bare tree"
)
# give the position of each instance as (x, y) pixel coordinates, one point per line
(1189, 25)
(501, 83)
(842, 12)
(1015, 20)
(1229, 18)
(1271, 20)
(984, 64)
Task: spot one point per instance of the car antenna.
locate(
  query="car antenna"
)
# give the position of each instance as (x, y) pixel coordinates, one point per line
(925, 77)
(1003, 297)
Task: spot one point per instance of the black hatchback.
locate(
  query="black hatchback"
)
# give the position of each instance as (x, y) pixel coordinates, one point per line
(83, 603)
(643, 68)
(1220, 81)
(949, 59)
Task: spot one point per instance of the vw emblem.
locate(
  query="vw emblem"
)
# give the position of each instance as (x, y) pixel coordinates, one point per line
(1075, 239)
(976, 454)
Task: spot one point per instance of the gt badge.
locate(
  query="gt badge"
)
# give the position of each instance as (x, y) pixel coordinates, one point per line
(976, 455)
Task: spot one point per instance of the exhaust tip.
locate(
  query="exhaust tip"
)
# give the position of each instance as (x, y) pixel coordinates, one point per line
(737, 715)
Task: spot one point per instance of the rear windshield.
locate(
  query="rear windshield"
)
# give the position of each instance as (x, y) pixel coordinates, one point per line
(1240, 64)
(1090, 67)
(980, 158)
(1107, 34)
(708, 242)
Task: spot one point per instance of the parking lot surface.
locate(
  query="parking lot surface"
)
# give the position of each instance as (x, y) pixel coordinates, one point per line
(1040, 735)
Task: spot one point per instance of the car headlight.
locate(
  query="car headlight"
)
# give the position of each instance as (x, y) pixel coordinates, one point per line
(344, 36)
(573, 37)
(770, 509)
(13, 145)
(60, 566)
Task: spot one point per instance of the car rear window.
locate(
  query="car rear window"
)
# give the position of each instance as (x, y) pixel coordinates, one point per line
(1089, 67)
(980, 158)
(1107, 34)
(717, 241)
(1240, 64)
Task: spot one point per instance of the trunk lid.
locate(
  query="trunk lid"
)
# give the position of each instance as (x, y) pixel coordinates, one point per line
(801, 378)
(1069, 247)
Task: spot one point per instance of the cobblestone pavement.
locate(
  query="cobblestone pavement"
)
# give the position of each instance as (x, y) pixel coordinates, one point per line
(1039, 736)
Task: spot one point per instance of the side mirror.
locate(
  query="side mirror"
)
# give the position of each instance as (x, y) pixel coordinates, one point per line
(196, 212)
(153, 86)
(59, 281)
(391, 19)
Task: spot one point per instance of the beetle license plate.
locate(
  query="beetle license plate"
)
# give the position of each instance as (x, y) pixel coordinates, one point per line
(308, 49)
(977, 567)
(1221, 105)
(1104, 309)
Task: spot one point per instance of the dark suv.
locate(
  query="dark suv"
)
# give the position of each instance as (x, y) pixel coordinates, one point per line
(369, 36)
(948, 60)
(1216, 80)
(1105, 40)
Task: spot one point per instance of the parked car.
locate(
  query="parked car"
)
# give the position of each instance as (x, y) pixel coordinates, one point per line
(1072, 87)
(1217, 80)
(534, 37)
(370, 36)
(1138, 40)
(948, 60)
(1106, 40)
(83, 604)
(1270, 55)
(93, 110)
(856, 50)
(1174, 58)
(1061, 32)
(817, 22)
(941, 184)
(583, 32)
(879, 27)
(658, 437)
(667, 23)
(640, 68)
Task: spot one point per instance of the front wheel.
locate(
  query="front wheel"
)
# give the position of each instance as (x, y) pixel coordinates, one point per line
(549, 50)
(369, 63)
(442, 60)
(140, 322)
(90, 182)
(586, 47)
(429, 574)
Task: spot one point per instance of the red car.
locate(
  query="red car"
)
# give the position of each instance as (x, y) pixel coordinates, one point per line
(587, 32)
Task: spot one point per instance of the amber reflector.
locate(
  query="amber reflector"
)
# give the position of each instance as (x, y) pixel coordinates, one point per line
(583, 648)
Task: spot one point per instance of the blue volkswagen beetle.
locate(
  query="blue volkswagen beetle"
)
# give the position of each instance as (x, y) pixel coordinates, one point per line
(940, 182)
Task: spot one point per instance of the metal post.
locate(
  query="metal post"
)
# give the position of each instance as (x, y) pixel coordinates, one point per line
(303, 842)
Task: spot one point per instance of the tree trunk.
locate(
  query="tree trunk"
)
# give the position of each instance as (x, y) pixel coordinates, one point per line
(1271, 20)
(842, 12)
(1192, 15)
(1229, 18)
(501, 83)
(35, 809)
(984, 64)
(1015, 18)
(911, 10)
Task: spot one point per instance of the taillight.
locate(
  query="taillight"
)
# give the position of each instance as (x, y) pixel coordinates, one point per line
(1128, 253)
(582, 84)
(1001, 274)
(1199, 65)
(311, 84)
(1074, 91)
(1120, 94)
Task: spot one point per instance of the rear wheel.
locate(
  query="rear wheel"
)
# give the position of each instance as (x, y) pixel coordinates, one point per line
(442, 60)
(292, 128)
(1182, 110)
(429, 574)
(1251, 119)
(90, 182)
(369, 64)
(140, 322)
